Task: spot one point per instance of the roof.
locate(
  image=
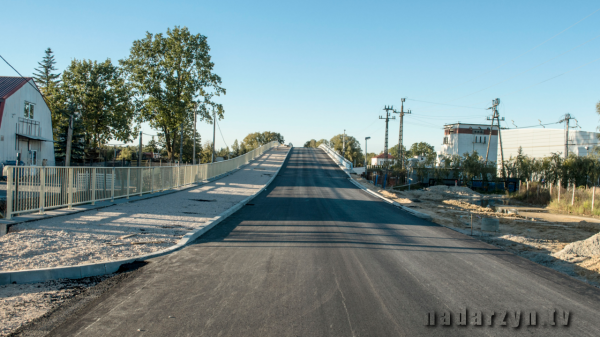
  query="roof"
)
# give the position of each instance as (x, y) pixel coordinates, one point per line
(465, 124)
(9, 85)
(383, 156)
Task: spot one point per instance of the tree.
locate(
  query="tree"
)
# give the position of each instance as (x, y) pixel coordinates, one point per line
(257, 139)
(236, 149)
(311, 143)
(269, 136)
(102, 101)
(44, 75)
(369, 156)
(172, 75)
(77, 144)
(353, 151)
(206, 154)
(420, 149)
(48, 81)
(314, 143)
(394, 151)
(322, 141)
(188, 144)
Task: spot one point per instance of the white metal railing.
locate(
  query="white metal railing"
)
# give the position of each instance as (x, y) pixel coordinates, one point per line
(36, 188)
(337, 157)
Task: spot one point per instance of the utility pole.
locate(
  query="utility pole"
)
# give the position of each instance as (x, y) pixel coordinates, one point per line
(69, 140)
(496, 117)
(387, 118)
(181, 144)
(212, 160)
(140, 151)
(344, 144)
(567, 119)
(114, 155)
(194, 150)
(401, 135)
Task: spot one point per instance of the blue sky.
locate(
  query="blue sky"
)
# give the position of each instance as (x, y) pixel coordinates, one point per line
(310, 69)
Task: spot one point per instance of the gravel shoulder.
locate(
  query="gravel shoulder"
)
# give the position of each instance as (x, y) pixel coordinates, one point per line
(565, 243)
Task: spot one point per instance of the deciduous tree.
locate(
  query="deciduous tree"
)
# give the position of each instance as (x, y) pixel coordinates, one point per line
(172, 75)
(101, 99)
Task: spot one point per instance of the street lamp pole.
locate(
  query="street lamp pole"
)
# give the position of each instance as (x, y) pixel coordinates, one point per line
(194, 151)
(366, 152)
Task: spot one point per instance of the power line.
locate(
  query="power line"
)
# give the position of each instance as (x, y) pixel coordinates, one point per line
(533, 126)
(33, 86)
(459, 106)
(523, 54)
(221, 134)
(551, 78)
(523, 72)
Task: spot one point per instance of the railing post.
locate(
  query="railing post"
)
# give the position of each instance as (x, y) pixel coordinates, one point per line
(112, 189)
(70, 188)
(178, 176)
(9, 192)
(141, 180)
(42, 189)
(152, 180)
(94, 186)
(128, 180)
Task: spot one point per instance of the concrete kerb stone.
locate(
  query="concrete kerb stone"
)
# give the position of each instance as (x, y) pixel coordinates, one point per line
(104, 268)
(404, 208)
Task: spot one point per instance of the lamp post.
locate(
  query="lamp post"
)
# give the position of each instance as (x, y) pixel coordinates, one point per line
(366, 152)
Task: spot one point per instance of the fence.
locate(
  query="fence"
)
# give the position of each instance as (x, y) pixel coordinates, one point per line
(35, 188)
(338, 158)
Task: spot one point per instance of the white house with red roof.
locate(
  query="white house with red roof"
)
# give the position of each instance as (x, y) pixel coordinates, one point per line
(25, 123)
(380, 159)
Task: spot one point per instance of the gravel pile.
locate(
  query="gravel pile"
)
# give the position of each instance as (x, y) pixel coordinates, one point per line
(587, 248)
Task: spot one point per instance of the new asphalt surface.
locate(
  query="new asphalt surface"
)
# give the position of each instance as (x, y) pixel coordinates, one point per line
(315, 256)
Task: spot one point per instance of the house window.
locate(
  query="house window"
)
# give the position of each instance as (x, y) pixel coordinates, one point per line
(29, 108)
(445, 140)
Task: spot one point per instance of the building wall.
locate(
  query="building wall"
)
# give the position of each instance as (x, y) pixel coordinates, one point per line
(14, 107)
(461, 142)
(379, 161)
(539, 143)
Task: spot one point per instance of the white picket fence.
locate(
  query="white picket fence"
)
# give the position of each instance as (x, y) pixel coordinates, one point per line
(35, 188)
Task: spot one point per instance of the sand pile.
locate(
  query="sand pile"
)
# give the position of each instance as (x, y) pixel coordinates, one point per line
(588, 247)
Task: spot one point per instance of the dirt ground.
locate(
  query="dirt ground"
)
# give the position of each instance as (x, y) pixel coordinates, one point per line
(22, 303)
(540, 237)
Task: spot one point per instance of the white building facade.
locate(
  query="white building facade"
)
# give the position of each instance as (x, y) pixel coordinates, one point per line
(25, 123)
(540, 143)
(380, 159)
(461, 138)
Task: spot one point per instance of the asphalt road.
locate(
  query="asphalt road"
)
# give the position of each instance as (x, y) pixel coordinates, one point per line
(315, 256)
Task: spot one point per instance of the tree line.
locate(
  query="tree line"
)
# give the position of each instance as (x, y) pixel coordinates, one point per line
(163, 81)
(355, 154)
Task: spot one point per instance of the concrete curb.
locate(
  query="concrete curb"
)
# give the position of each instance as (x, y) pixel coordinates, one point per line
(103, 268)
(404, 208)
